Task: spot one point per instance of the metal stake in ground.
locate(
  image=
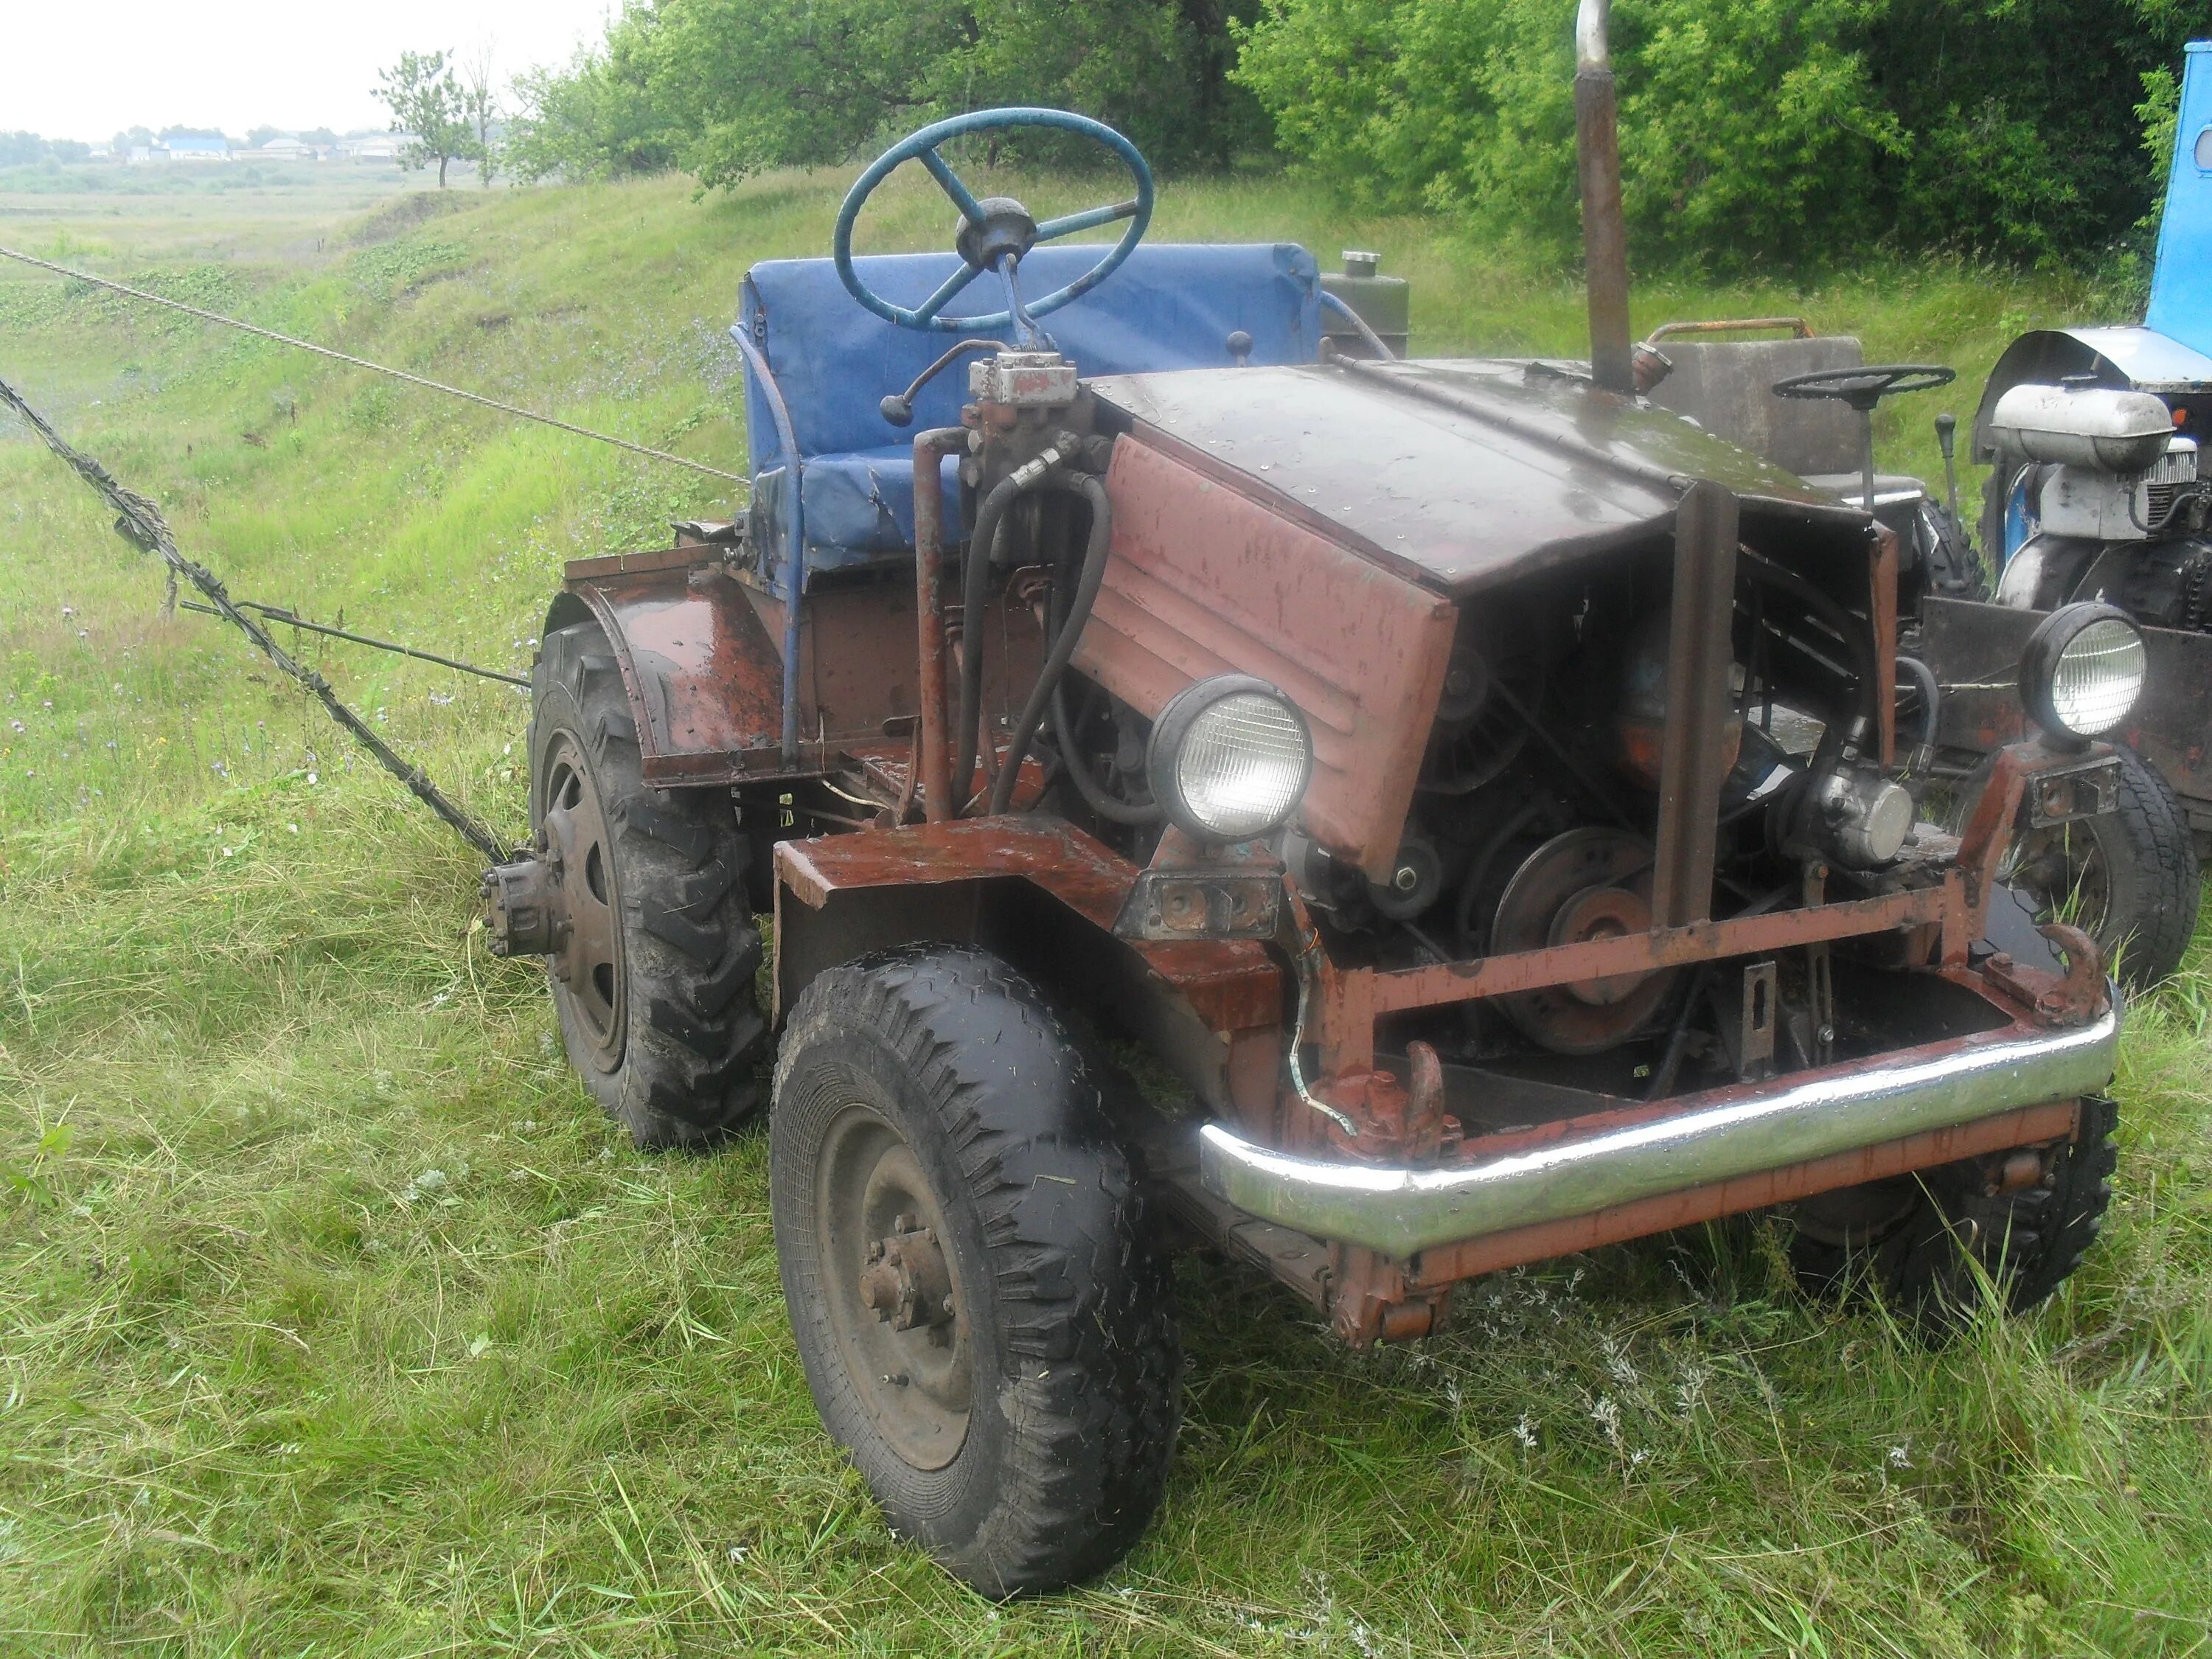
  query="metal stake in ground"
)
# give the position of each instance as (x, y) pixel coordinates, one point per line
(140, 522)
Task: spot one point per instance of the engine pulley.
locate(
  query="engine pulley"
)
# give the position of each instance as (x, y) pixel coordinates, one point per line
(1590, 883)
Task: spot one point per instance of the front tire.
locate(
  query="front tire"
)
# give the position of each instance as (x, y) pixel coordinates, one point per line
(655, 981)
(983, 1320)
(2129, 877)
(1930, 1242)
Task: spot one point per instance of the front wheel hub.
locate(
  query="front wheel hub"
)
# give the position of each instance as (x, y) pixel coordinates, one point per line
(906, 1280)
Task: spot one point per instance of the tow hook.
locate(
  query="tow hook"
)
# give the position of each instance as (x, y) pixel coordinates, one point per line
(522, 913)
(2072, 998)
(906, 1280)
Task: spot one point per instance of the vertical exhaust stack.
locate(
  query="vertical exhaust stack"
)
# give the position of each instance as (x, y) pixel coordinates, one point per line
(1605, 231)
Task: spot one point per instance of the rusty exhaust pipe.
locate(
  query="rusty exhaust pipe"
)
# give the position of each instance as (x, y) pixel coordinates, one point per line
(1605, 230)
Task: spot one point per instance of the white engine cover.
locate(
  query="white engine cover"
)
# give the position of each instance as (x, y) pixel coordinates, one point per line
(2106, 507)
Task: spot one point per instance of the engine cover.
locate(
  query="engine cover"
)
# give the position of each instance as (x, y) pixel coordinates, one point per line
(2107, 506)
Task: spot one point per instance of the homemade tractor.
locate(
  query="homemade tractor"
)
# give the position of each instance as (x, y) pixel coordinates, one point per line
(2095, 493)
(1479, 805)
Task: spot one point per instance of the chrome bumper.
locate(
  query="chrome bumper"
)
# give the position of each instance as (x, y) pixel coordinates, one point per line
(1399, 1212)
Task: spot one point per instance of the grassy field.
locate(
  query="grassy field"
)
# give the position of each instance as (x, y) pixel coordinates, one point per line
(334, 1319)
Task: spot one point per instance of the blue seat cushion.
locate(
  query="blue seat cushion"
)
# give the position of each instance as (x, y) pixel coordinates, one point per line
(1170, 305)
(859, 506)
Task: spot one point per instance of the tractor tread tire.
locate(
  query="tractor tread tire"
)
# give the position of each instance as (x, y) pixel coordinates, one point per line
(695, 1038)
(1071, 1312)
(1931, 1264)
(2154, 828)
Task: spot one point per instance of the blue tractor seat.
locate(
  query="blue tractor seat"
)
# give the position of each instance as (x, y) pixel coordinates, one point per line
(1170, 305)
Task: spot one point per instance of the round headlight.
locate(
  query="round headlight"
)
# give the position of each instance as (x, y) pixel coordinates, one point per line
(1230, 758)
(2082, 670)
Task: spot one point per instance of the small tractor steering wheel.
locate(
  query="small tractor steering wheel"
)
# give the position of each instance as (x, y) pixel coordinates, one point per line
(1862, 388)
(1865, 386)
(996, 232)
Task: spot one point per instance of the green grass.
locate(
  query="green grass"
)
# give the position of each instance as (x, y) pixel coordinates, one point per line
(334, 1318)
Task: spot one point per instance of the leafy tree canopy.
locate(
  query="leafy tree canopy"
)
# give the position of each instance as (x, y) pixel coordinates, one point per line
(425, 97)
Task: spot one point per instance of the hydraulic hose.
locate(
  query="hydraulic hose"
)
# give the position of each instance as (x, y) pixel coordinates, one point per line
(974, 587)
(1063, 645)
(1094, 795)
(1931, 697)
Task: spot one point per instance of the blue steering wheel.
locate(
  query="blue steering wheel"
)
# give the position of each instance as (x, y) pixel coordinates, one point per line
(996, 232)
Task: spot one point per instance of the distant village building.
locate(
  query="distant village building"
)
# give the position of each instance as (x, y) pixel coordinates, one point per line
(285, 147)
(374, 146)
(183, 147)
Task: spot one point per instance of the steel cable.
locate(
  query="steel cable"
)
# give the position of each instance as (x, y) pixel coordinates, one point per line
(378, 369)
(140, 522)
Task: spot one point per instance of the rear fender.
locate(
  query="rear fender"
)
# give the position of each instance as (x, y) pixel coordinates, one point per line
(703, 676)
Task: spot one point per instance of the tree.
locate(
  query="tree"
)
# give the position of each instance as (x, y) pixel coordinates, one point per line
(726, 88)
(1782, 133)
(479, 106)
(427, 103)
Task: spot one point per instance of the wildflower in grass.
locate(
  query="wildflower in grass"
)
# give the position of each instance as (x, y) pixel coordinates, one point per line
(1607, 1415)
(1900, 1454)
(1525, 1433)
(1690, 1392)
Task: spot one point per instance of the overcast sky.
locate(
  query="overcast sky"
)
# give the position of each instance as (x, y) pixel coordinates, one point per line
(87, 69)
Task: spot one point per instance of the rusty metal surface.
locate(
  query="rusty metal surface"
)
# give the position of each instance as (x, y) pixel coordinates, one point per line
(1699, 744)
(698, 652)
(1975, 650)
(1459, 474)
(1605, 228)
(935, 780)
(1643, 953)
(1881, 612)
(1798, 327)
(704, 678)
(1232, 985)
(1205, 580)
(2022, 1127)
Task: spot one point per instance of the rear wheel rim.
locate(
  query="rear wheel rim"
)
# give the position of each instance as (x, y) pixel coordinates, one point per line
(915, 1385)
(588, 969)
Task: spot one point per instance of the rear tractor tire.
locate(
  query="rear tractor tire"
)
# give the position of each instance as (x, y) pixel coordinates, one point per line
(655, 981)
(1928, 1242)
(984, 1321)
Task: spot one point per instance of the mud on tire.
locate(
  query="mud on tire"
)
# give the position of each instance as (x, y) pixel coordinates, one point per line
(1927, 1243)
(1052, 1393)
(668, 1034)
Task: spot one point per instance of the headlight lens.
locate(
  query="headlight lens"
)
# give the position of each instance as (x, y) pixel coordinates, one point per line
(2082, 670)
(1230, 758)
(2099, 674)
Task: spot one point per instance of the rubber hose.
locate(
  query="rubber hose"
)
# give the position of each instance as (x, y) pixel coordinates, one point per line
(975, 586)
(1094, 795)
(1931, 695)
(1063, 648)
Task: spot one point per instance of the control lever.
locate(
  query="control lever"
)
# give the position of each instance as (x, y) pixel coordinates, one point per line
(898, 407)
(1947, 439)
